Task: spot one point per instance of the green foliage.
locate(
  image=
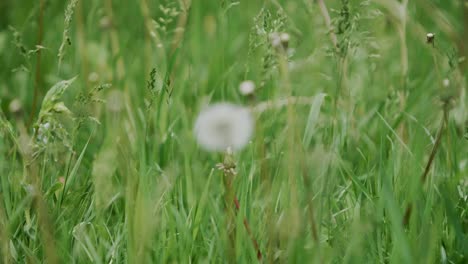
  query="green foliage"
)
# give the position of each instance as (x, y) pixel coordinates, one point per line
(108, 170)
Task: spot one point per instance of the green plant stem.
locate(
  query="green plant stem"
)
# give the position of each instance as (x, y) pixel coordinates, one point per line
(37, 80)
(230, 215)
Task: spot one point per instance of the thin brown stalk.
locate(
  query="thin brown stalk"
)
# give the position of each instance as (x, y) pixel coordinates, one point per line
(37, 79)
(228, 167)
(428, 166)
(44, 222)
(434, 148)
(249, 231)
(39, 205)
(401, 28)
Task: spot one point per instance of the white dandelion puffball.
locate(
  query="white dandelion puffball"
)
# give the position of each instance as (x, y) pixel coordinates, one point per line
(247, 87)
(222, 126)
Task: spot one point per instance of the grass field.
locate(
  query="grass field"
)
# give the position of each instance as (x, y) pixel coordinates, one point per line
(359, 152)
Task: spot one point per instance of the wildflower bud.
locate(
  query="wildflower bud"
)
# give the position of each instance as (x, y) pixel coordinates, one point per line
(430, 38)
(31, 190)
(247, 87)
(275, 40)
(446, 82)
(46, 126)
(61, 108)
(279, 40)
(105, 23)
(284, 37)
(15, 106)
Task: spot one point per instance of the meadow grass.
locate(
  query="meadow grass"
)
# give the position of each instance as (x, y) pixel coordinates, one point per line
(360, 150)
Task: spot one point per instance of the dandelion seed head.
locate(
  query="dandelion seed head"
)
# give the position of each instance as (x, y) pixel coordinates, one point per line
(223, 126)
(247, 87)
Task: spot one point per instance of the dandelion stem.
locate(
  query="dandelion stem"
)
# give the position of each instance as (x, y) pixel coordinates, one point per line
(228, 167)
(230, 221)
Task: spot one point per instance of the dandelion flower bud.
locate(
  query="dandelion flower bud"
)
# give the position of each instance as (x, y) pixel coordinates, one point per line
(247, 87)
(15, 106)
(222, 126)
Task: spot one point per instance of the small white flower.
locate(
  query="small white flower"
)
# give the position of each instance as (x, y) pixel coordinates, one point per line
(279, 40)
(15, 106)
(430, 38)
(275, 39)
(43, 132)
(446, 82)
(284, 37)
(222, 126)
(247, 87)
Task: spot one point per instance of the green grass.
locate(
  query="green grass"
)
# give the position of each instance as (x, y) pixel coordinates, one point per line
(116, 175)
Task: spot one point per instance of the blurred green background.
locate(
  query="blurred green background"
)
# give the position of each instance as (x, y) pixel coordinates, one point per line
(120, 177)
